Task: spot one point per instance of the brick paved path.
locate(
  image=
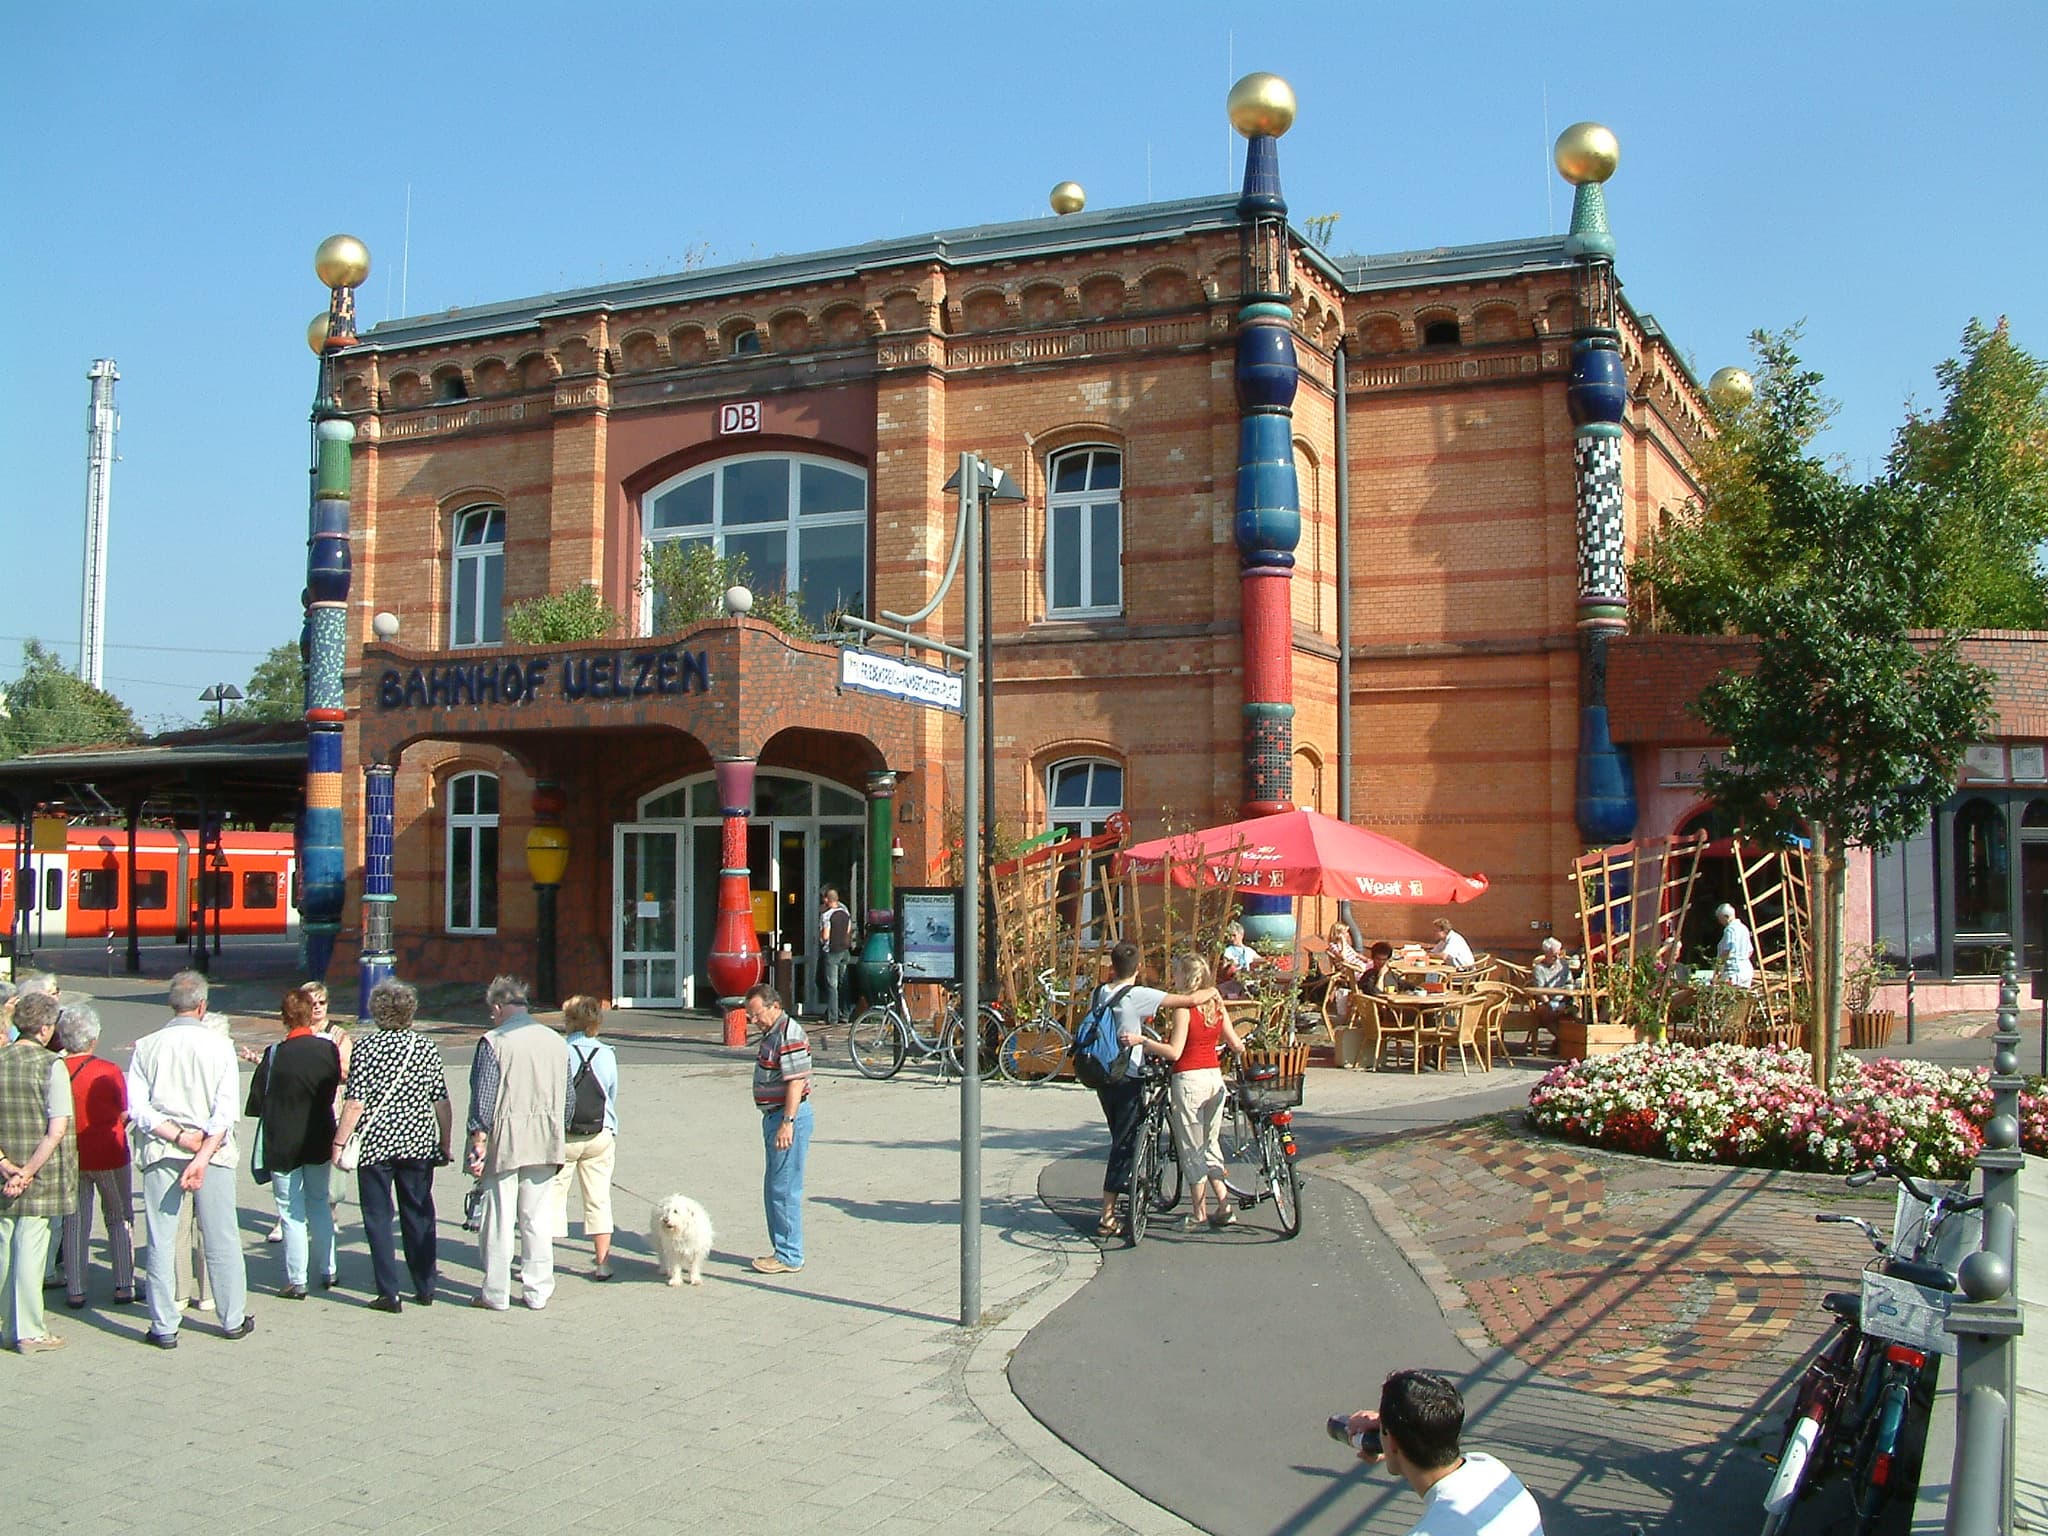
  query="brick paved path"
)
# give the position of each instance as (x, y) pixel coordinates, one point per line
(1679, 1300)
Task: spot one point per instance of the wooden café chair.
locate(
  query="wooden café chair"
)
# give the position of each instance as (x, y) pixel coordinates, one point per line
(1462, 1026)
(1389, 1025)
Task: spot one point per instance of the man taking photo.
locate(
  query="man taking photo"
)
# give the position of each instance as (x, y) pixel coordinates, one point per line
(1464, 1493)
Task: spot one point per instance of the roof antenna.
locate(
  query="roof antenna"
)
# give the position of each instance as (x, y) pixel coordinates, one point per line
(1549, 206)
(405, 254)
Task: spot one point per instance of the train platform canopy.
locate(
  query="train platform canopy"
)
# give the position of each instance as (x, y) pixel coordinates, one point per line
(252, 775)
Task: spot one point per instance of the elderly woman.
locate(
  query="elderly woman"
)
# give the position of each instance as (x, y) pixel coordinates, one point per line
(593, 1128)
(1193, 1034)
(293, 1095)
(1550, 970)
(38, 1170)
(99, 1107)
(397, 1098)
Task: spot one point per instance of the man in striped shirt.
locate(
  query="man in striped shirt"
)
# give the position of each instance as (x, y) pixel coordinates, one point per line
(782, 1093)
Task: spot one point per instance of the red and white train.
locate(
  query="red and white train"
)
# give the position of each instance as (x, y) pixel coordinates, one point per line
(248, 884)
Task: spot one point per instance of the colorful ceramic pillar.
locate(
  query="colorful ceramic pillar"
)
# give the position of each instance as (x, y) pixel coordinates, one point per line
(547, 860)
(1604, 801)
(735, 962)
(1268, 500)
(378, 959)
(342, 262)
(878, 950)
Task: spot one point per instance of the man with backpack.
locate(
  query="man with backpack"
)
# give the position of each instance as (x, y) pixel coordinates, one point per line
(1108, 1059)
(835, 946)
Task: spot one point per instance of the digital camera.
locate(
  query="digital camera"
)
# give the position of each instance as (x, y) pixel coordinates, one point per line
(1339, 1426)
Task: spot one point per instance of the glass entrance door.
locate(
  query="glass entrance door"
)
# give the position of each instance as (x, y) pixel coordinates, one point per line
(650, 930)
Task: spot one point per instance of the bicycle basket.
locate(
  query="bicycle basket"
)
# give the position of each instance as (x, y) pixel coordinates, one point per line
(1265, 1088)
(1904, 1313)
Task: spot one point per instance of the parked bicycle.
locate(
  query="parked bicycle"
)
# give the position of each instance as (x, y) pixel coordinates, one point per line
(887, 1034)
(1155, 1164)
(1034, 1049)
(1258, 1143)
(1873, 1373)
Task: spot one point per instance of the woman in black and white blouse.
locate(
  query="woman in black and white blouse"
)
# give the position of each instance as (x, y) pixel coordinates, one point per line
(397, 1096)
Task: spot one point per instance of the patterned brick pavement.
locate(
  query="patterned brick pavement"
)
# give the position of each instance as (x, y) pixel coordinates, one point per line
(1630, 1279)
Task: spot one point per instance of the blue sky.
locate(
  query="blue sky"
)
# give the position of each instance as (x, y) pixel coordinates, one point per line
(1874, 170)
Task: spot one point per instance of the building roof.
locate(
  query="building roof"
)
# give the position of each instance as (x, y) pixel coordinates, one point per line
(257, 772)
(1023, 240)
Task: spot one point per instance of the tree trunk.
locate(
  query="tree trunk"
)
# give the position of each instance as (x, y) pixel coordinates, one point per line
(1824, 980)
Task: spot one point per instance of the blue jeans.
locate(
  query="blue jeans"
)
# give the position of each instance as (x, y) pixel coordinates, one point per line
(833, 975)
(214, 1204)
(303, 1208)
(782, 1187)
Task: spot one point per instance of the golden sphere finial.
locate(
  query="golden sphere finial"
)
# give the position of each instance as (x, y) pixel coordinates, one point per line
(1587, 152)
(317, 332)
(1068, 198)
(1261, 105)
(342, 261)
(1731, 388)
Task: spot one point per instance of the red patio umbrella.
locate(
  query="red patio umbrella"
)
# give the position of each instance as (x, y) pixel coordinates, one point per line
(1303, 853)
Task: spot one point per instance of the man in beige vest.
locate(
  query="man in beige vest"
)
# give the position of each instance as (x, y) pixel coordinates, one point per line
(519, 1103)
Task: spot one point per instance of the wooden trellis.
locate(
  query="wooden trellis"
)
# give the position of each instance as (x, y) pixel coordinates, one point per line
(1633, 899)
(1061, 905)
(1777, 897)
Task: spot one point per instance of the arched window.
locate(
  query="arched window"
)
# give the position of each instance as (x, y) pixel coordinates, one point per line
(473, 853)
(477, 599)
(1081, 795)
(1084, 533)
(800, 524)
(1981, 870)
(1441, 333)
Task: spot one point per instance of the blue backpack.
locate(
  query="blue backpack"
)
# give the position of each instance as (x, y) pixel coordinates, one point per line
(1100, 1059)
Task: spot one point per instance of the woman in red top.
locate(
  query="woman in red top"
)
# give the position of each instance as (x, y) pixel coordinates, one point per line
(1192, 1037)
(99, 1108)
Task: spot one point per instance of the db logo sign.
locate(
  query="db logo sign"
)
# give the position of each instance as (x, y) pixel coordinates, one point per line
(743, 416)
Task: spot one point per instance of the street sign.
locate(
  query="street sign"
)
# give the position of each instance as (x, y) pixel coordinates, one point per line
(893, 678)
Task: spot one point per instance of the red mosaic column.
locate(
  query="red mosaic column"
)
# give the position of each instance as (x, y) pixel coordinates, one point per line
(735, 963)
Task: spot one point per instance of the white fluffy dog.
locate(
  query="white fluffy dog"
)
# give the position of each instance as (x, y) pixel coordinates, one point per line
(682, 1238)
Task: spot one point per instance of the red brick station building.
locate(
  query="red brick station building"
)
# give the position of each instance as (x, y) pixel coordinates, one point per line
(807, 410)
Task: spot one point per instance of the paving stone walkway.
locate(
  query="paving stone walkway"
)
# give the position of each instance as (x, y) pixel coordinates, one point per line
(1675, 1303)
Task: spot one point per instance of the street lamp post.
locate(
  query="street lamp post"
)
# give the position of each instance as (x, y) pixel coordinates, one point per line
(220, 695)
(976, 483)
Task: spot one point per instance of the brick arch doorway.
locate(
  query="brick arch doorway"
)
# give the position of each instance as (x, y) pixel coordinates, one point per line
(806, 832)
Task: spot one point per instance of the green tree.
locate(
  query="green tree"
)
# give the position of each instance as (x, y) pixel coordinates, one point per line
(1846, 727)
(49, 705)
(277, 688)
(688, 581)
(1980, 469)
(561, 618)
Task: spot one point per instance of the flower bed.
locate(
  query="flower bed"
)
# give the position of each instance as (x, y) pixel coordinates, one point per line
(1758, 1106)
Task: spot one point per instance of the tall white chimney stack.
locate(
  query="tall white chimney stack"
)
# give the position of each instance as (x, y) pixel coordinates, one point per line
(101, 425)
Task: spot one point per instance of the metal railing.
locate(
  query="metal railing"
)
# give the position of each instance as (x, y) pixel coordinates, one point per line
(1987, 1324)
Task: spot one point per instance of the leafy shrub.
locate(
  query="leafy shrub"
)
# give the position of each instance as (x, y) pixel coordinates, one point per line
(688, 581)
(562, 618)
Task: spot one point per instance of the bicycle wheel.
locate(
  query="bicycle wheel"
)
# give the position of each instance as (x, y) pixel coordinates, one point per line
(875, 1042)
(1166, 1166)
(990, 1049)
(1240, 1135)
(1035, 1051)
(1795, 1457)
(1283, 1179)
(1873, 1471)
(1144, 1175)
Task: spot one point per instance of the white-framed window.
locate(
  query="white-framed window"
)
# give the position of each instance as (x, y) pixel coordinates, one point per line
(473, 853)
(477, 597)
(1084, 533)
(1081, 794)
(800, 523)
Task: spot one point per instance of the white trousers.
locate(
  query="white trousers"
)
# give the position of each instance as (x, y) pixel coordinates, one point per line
(524, 1196)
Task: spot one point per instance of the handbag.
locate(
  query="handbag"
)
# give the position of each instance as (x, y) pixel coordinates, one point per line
(351, 1152)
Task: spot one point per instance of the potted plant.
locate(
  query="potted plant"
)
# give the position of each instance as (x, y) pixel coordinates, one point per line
(1864, 968)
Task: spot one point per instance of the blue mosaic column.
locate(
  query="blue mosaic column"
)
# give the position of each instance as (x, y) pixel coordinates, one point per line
(1604, 799)
(378, 959)
(342, 263)
(1268, 523)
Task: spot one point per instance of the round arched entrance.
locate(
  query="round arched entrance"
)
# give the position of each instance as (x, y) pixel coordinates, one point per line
(805, 833)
